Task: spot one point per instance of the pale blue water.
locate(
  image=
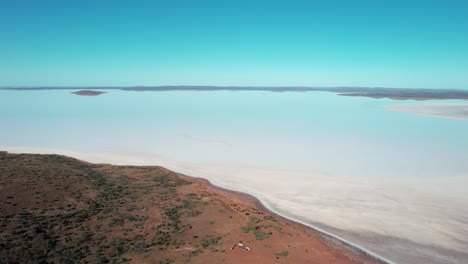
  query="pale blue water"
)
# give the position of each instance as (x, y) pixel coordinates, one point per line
(291, 130)
(348, 138)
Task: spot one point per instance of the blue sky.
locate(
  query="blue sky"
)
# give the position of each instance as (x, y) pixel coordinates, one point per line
(262, 43)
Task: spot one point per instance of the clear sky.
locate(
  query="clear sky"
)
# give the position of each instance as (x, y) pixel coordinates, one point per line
(263, 43)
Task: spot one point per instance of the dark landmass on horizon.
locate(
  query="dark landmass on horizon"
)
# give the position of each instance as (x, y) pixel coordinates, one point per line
(56, 209)
(413, 94)
(88, 93)
(371, 92)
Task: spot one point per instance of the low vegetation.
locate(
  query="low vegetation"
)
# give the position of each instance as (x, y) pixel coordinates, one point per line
(58, 209)
(283, 253)
(261, 231)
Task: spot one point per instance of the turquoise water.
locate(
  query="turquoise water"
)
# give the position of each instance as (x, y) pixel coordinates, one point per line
(352, 140)
(291, 130)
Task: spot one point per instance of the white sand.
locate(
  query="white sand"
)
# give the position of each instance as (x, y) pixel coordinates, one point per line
(443, 110)
(412, 211)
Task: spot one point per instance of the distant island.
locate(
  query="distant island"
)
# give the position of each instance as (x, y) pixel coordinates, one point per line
(88, 93)
(371, 92)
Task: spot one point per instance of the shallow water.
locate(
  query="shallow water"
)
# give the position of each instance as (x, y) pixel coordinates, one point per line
(388, 181)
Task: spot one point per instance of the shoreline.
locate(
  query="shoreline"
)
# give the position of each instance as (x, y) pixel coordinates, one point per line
(348, 248)
(351, 250)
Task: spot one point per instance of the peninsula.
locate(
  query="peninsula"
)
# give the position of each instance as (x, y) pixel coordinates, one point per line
(59, 209)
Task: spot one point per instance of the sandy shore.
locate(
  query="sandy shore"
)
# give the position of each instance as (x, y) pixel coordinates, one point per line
(353, 252)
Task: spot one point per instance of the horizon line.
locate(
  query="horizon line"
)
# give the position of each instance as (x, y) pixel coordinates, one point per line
(219, 86)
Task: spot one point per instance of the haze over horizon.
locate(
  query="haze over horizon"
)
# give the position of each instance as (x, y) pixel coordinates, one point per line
(262, 43)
